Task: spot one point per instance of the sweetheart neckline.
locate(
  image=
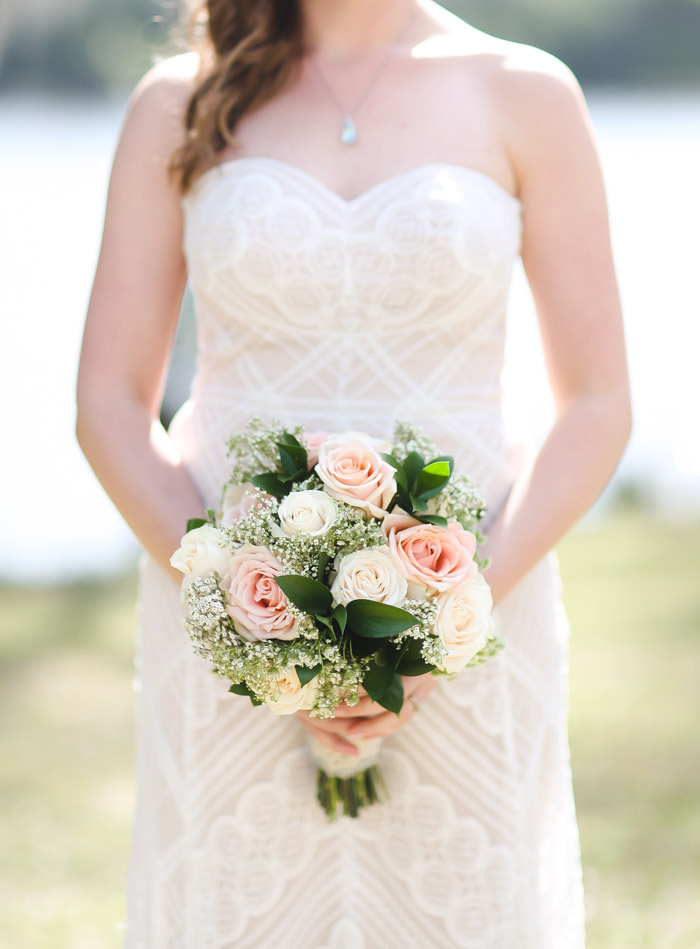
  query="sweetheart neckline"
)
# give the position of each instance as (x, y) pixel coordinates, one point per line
(231, 163)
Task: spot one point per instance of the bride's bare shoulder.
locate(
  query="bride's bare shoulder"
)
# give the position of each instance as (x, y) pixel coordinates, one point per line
(168, 85)
(154, 120)
(518, 72)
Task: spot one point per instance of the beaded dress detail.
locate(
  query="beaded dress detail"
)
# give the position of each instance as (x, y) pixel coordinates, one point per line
(347, 314)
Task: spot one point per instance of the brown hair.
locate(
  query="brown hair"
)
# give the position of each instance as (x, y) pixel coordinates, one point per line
(248, 50)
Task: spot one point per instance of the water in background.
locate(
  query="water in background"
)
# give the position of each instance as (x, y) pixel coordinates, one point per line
(54, 165)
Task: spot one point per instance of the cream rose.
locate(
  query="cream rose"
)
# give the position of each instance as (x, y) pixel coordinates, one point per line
(200, 553)
(369, 574)
(291, 695)
(256, 604)
(432, 558)
(353, 471)
(463, 621)
(308, 512)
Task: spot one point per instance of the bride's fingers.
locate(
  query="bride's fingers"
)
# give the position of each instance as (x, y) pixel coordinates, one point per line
(334, 742)
(363, 708)
(381, 725)
(331, 725)
(418, 686)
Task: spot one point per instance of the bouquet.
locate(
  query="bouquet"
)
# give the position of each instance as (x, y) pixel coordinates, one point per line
(335, 565)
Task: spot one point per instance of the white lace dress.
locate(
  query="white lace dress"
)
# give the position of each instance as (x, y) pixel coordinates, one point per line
(346, 315)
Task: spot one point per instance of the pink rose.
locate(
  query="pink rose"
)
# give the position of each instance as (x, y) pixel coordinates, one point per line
(239, 500)
(312, 442)
(256, 604)
(354, 472)
(431, 557)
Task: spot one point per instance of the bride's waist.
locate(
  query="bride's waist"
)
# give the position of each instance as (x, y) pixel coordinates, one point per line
(379, 400)
(469, 427)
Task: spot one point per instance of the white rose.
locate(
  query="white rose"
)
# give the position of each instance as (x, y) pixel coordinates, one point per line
(463, 621)
(310, 512)
(291, 695)
(369, 574)
(200, 552)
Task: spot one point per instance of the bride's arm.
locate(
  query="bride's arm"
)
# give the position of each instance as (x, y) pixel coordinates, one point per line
(568, 261)
(131, 323)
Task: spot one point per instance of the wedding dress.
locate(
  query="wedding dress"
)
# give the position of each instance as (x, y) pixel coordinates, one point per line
(348, 314)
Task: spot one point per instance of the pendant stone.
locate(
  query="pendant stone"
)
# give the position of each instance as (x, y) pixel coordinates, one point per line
(348, 135)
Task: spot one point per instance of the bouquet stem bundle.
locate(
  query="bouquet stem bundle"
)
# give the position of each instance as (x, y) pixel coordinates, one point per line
(345, 784)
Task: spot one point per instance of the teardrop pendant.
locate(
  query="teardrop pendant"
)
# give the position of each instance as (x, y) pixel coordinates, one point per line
(348, 135)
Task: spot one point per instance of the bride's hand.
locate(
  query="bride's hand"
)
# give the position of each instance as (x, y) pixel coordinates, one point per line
(367, 719)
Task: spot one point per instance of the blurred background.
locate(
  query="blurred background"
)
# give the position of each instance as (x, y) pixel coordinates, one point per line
(67, 564)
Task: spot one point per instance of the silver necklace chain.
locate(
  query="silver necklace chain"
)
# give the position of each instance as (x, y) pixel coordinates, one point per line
(348, 132)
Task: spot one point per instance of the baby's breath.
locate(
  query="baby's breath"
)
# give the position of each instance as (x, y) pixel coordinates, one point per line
(460, 500)
(407, 438)
(256, 526)
(254, 450)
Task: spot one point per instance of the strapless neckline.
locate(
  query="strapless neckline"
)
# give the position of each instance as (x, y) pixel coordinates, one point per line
(232, 165)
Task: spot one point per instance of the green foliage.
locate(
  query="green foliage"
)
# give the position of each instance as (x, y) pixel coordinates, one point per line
(417, 482)
(102, 45)
(306, 675)
(309, 595)
(372, 620)
(377, 679)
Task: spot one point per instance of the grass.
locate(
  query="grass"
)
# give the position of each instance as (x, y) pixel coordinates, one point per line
(66, 749)
(633, 598)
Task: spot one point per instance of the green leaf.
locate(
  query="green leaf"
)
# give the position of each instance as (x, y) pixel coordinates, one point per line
(448, 458)
(360, 647)
(392, 699)
(412, 649)
(399, 473)
(432, 479)
(418, 504)
(377, 620)
(270, 483)
(294, 476)
(377, 680)
(390, 459)
(412, 465)
(293, 458)
(306, 675)
(340, 615)
(413, 667)
(323, 561)
(404, 498)
(309, 595)
(436, 519)
(288, 439)
(240, 688)
(195, 522)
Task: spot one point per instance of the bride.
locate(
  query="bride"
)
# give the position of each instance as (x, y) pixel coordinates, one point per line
(347, 184)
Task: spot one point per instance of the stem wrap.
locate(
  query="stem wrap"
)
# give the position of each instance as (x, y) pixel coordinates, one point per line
(346, 783)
